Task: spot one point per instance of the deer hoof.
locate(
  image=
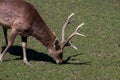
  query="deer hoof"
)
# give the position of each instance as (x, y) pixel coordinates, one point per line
(1, 59)
(27, 63)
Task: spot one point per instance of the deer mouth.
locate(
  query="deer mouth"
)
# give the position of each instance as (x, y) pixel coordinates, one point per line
(58, 61)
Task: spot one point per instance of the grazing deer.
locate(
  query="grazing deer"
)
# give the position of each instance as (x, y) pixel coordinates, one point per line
(24, 20)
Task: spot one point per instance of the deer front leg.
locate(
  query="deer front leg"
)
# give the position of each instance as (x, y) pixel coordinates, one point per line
(13, 35)
(24, 45)
(5, 35)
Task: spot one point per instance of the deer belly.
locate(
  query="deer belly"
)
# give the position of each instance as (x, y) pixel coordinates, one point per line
(25, 33)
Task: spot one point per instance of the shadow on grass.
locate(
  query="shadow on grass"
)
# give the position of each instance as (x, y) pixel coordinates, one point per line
(39, 56)
(78, 63)
(31, 54)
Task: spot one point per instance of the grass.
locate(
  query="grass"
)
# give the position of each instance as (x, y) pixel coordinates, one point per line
(98, 57)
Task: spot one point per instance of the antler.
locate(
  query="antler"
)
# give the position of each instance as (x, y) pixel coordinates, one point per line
(64, 26)
(75, 33)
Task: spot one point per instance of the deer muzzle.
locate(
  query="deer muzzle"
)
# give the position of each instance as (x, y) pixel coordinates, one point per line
(58, 61)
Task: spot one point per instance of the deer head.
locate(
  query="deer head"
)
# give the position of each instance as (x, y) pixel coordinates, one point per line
(56, 52)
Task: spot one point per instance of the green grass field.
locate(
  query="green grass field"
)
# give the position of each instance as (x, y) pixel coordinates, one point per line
(98, 57)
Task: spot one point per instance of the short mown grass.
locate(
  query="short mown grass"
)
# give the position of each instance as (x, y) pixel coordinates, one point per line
(98, 57)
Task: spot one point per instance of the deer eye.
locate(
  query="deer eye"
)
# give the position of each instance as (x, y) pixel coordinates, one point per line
(56, 45)
(60, 55)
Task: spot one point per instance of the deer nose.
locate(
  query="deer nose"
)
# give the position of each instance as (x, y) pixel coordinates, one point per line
(59, 61)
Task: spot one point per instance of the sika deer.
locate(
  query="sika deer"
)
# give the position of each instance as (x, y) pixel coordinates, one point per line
(24, 20)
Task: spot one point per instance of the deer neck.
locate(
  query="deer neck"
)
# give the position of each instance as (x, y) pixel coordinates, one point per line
(44, 34)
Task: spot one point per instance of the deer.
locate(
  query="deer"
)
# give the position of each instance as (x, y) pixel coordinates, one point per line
(23, 19)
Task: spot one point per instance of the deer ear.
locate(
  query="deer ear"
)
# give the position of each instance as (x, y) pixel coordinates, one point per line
(56, 44)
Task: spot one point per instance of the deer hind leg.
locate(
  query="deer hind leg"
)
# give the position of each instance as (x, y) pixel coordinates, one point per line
(5, 34)
(24, 45)
(13, 35)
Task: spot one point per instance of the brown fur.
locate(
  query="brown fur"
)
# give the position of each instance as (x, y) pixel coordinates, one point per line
(24, 20)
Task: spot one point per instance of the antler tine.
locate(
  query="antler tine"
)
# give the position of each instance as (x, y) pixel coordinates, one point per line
(75, 32)
(67, 43)
(64, 26)
(79, 26)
